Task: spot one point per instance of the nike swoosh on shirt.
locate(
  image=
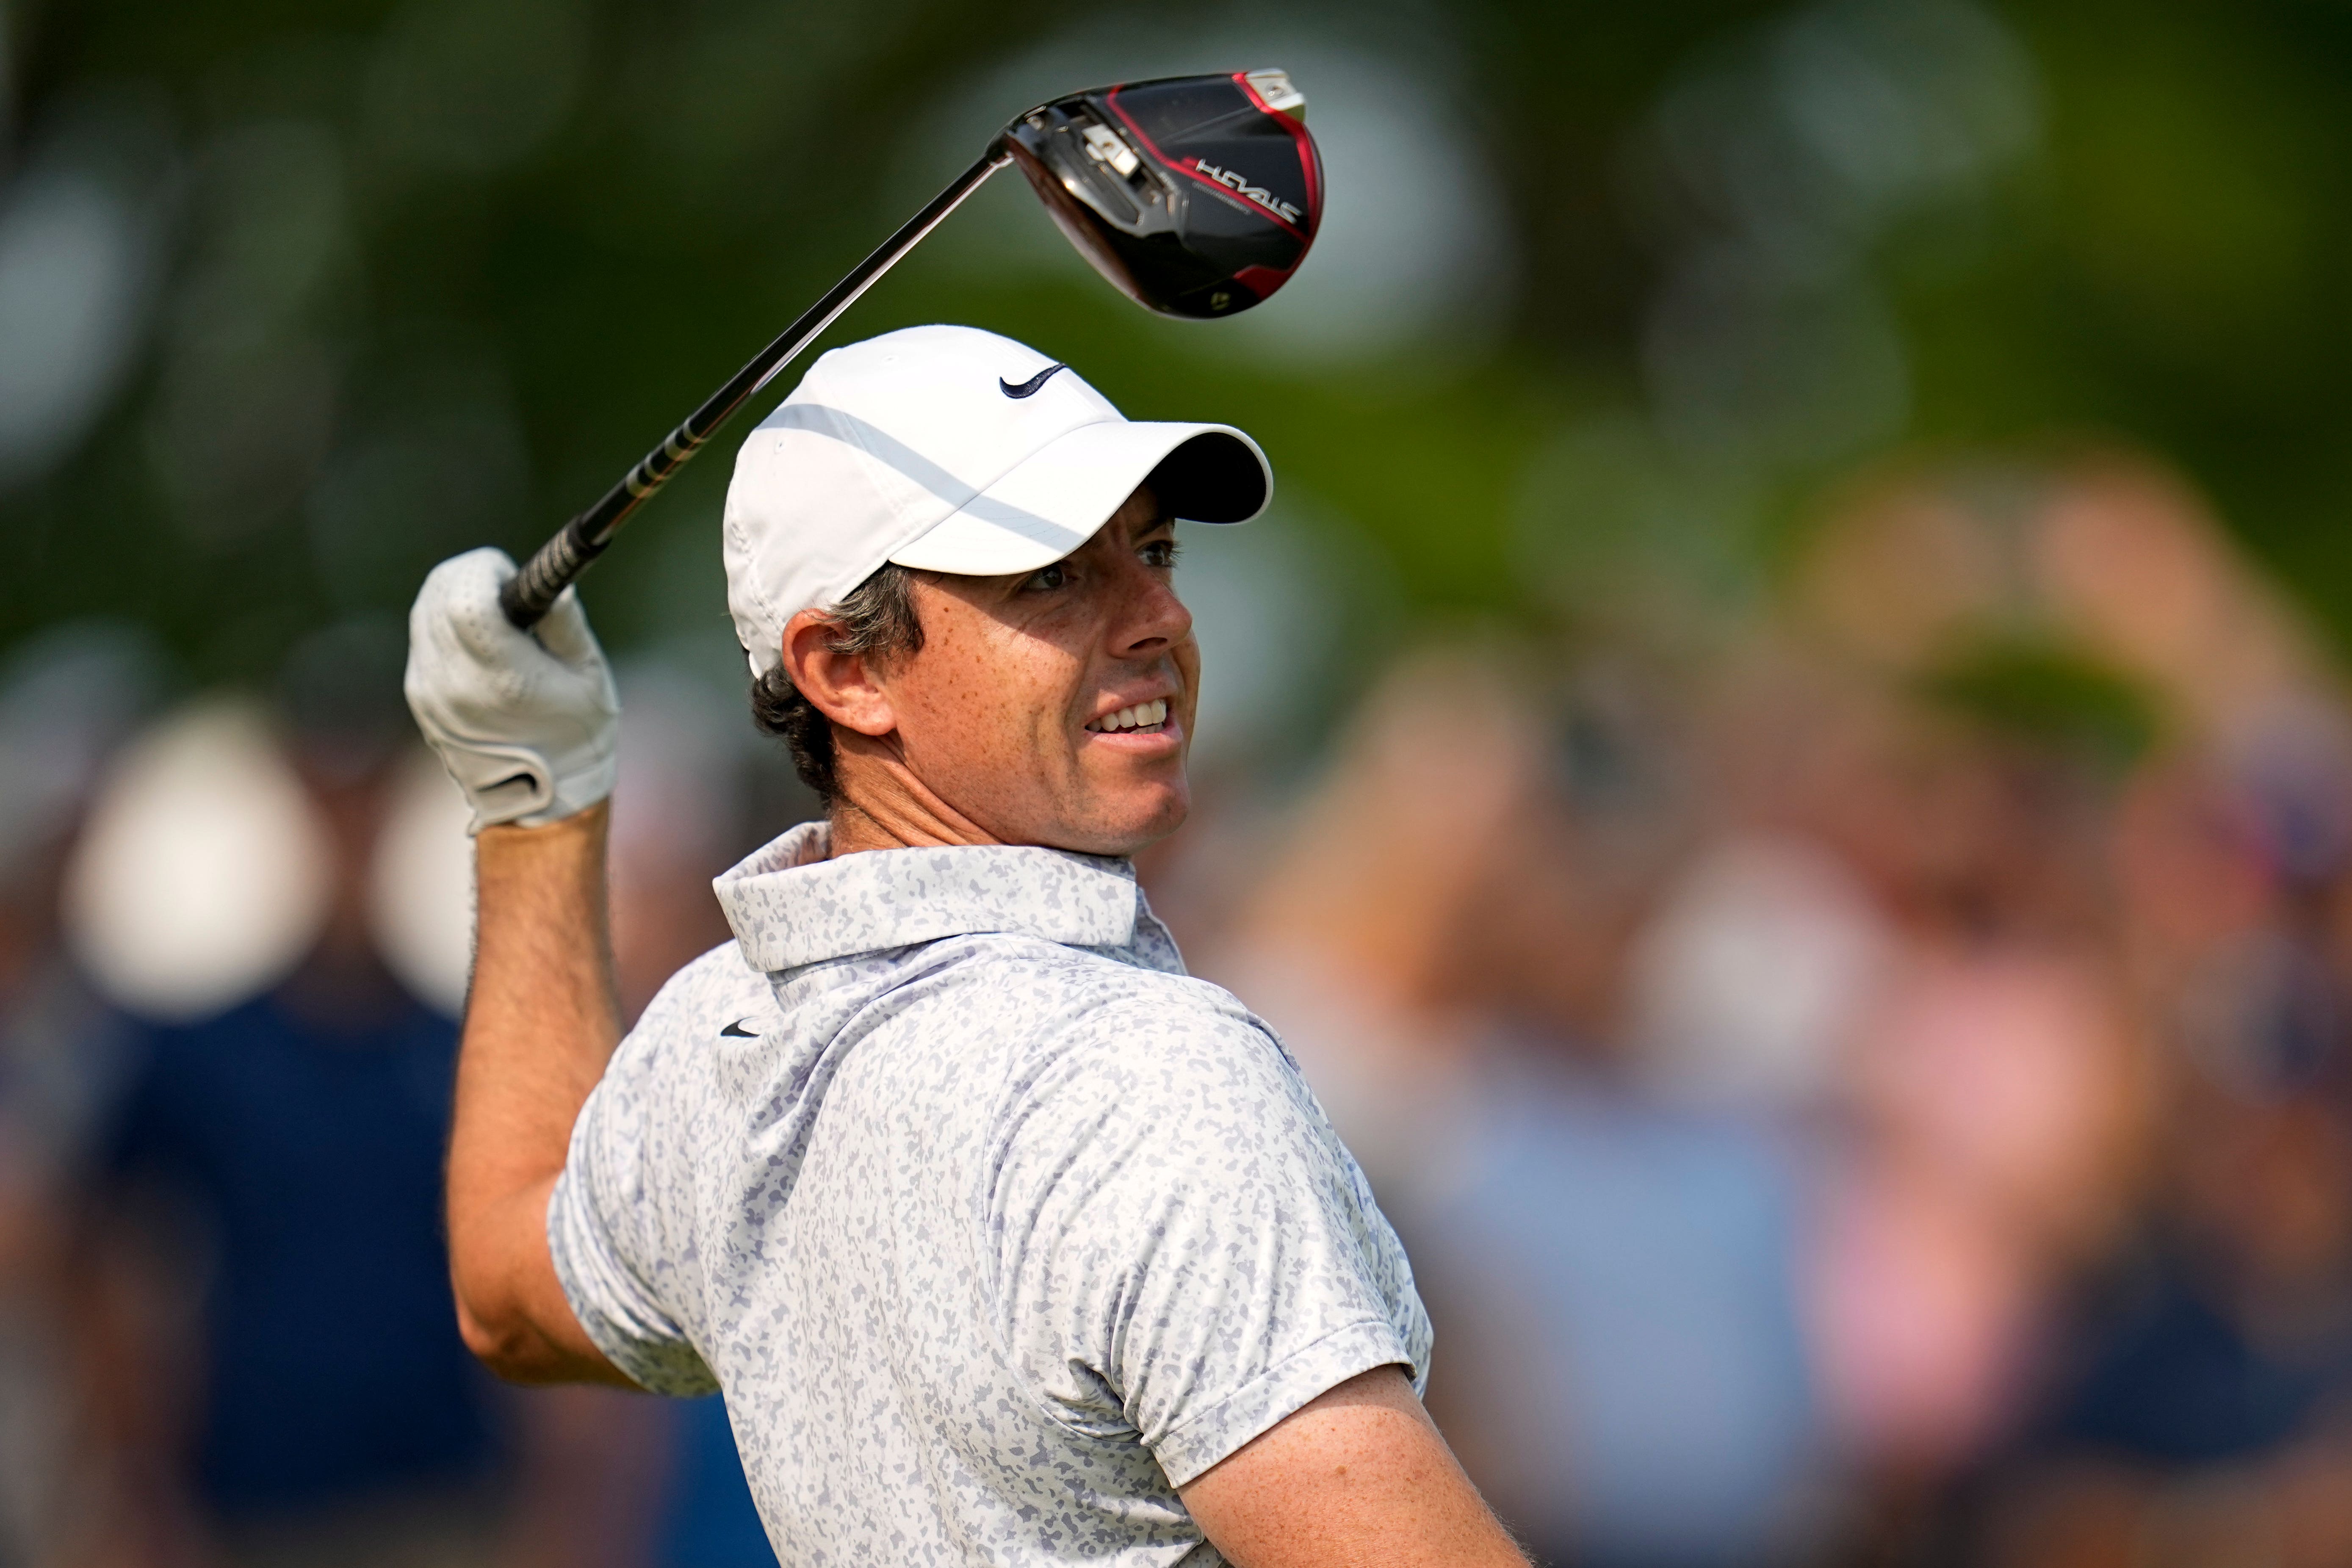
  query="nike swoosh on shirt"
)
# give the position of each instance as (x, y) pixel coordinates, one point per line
(1029, 387)
(737, 1031)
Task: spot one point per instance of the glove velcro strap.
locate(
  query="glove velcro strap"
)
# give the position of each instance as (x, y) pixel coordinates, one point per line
(510, 782)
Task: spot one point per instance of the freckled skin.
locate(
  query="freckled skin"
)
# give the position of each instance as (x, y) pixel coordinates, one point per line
(982, 737)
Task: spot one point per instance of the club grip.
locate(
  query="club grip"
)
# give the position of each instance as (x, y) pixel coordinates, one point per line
(531, 592)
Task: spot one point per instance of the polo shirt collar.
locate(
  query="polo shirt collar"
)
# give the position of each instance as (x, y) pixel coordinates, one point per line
(790, 905)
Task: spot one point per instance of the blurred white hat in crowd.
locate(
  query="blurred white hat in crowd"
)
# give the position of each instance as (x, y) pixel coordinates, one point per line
(203, 873)
(681, 797)
(1750, 980)
(421, 884)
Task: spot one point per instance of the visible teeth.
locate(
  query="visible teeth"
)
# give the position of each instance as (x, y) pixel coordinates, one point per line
(1142, 716)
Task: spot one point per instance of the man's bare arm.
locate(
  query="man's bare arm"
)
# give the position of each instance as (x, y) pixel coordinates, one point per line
(1358, 1478)
(540, 1021)
(527, 723)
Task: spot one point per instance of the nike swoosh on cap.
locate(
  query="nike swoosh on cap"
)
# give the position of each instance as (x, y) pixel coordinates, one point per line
(1029, 387)
(737, 1031)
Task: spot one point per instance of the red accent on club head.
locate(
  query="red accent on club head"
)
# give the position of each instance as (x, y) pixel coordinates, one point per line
(1165, 161)
(1263, 281)
(1310, 157)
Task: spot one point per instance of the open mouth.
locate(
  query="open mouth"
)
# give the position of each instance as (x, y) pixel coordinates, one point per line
(1146, 718)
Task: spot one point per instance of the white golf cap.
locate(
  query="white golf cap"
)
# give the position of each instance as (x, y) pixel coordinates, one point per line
(949, 449)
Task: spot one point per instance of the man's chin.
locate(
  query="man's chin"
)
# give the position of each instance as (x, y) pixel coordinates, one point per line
(1137, 818)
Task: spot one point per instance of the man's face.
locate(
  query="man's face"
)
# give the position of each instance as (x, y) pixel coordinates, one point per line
(1010, 712)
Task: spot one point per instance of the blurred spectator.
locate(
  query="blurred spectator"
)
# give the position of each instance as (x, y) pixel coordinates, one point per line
(707, 1519)
(1399, 896)
(1986, 1139)
(2206, 1408)
(66, 701)
(1440, 941)
(1752, 974)
(1762, 1231)
(201, 876)
(1626, 1374)
(2086, 1222)
(282, 1158)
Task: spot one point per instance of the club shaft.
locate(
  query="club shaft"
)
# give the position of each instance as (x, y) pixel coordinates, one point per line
(529, 594)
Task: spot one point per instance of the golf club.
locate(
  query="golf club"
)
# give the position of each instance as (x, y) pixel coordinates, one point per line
(1197, 196)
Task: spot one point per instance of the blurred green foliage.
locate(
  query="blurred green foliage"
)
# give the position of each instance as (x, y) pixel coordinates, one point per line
(2049, 697)
(483, 252)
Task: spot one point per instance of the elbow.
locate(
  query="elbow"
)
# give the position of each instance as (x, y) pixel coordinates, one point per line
(498, 1341)
(507, 1344)
(489, 1320)
(495, 1323)
(494, 1345)
(511, 1311)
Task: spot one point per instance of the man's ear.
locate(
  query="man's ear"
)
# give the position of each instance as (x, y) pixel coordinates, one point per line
(841, 685)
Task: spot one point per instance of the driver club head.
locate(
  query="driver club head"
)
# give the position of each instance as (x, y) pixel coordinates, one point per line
(1195, 195)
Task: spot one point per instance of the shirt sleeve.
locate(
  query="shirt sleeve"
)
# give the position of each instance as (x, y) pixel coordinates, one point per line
(1191, 1254)
(604, 1232)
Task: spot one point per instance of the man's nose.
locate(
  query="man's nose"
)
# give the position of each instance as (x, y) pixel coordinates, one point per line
(1150, 617)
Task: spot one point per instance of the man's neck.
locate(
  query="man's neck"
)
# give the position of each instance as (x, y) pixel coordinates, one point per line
(894, 823)
(879, 804)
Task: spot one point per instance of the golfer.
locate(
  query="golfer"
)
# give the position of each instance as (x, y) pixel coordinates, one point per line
(1007, 1241)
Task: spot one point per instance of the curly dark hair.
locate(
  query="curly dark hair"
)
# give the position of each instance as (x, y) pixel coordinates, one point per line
(878, 619)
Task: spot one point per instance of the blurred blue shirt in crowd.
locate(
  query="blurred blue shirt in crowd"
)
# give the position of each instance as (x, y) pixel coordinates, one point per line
(332, 1362)
(710, 1520)
(1622, 1280)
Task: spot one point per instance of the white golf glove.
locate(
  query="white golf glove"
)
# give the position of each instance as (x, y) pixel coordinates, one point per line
(525, 721)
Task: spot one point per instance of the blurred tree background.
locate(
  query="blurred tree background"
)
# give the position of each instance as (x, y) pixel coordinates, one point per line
(1744, 433)
(297, 299)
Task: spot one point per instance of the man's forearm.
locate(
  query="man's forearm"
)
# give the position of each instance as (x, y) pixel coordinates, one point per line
(541, 1021)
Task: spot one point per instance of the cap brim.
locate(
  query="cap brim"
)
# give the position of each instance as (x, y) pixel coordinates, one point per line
(1057, 499)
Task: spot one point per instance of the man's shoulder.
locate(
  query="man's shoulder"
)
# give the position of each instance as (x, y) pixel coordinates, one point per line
(1109, 1021)
(719, 992)
(1059, 986)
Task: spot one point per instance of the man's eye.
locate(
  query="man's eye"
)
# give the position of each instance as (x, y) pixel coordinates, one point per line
(1160, 553)
(1047, 578)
